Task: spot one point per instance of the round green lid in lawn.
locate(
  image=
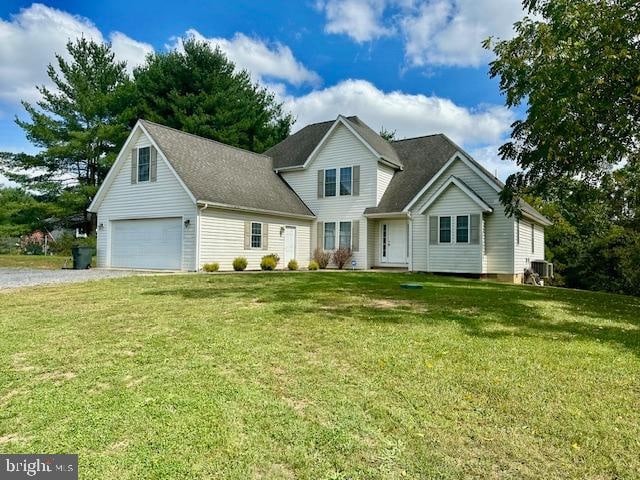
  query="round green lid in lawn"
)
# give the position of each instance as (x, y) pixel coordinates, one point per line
(411, 286)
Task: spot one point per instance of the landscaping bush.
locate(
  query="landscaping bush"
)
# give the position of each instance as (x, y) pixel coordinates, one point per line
(268, 263)
(275, 257)
(321, 257)
(64, 243)
(211, 267)
(9, 245)
(293, 265)
(313, 265)
(341, 256)
(239, 264)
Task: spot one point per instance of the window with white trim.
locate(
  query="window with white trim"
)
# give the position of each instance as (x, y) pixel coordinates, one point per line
(144, 161)
(445, 230)
(346, 179)
(345, 235)
(256, 235)
(462, 229)
(518, 231)
(330, 182)
(330, 236)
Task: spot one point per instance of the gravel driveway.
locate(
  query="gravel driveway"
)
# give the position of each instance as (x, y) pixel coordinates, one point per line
(26, 277)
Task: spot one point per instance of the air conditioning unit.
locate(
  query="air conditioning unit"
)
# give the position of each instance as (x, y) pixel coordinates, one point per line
(542, 268)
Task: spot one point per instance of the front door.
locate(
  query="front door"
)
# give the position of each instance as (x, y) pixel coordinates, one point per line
(393, 242)
(289, 244)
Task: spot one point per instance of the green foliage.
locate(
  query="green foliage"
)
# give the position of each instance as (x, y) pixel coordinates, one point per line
(388, 135)
(321, 257)
(77, 127)
(63, 244)
(269, 262)
(313, 265)
(292, 265)
(21, 213)
(341, 256)
(211, 267)
(576, 66)
(198, 90)
(239, 264)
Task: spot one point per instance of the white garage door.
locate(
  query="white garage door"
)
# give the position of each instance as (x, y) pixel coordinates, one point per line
(150, 243)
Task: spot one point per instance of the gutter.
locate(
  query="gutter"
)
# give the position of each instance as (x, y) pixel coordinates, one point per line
(224, 206)
(198, 231)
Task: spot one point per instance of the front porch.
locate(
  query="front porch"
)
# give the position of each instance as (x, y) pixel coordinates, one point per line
(389, 242)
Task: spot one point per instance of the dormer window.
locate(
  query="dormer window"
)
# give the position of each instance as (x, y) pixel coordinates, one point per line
(330, 182)
(144, 160)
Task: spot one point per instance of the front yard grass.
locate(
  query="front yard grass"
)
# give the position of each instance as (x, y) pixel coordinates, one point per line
(47, 262)
(322, 375)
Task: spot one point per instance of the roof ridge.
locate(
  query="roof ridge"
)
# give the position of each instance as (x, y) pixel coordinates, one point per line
(206, 139)
(416, 138)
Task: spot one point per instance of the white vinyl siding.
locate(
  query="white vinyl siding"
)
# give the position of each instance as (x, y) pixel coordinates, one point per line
(453, 256)
(385, 174)
(342, 149)
(523, 255)
(499, 228)
(222, 238)
(165, 198)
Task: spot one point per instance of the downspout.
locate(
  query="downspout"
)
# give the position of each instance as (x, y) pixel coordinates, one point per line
(198, 230)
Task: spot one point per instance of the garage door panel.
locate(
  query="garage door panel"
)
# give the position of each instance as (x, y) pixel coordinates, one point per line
(147, 243)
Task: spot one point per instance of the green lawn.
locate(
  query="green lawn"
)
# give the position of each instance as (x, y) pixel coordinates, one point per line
(48, 262)
(322, 375)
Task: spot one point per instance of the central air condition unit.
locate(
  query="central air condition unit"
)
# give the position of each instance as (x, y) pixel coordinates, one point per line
(542, 268)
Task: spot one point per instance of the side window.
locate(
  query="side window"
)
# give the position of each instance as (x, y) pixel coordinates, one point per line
(345, 181)
(462, 229)
(345, 235)
(533, 240)
(518, 232)
(144, 159)
(329, 236)
(330, 182)
(445, 230)
(256, 235)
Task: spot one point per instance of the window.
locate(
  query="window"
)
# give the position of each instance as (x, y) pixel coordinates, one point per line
(345, 181)
(445, 229)
(329, 236)
(345, 235)
(518, 232)
(256, 235)
(330, 182)
(384, 240)
(144, 157)
(533, 240)
(462, 229)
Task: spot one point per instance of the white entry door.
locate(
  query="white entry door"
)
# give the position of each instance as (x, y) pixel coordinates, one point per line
(289, 244)
(393, 242)
(154, 243)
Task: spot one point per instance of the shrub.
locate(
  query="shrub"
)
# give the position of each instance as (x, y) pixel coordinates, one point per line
(293, 265)
(321, 257)
(268, 263)
(275, 257)
(239, 264)
(211, 267)
(313, 265)
(341, 256)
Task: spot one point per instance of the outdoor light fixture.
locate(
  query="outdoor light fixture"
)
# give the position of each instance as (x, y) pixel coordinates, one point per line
(281, 231)
(187, 222)
(101, 226)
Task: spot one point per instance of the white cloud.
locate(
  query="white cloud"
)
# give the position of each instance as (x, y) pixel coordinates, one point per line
(490, 159)
(31, 38)
(409, 115)
(260, 59)
(359, 19)
(435, 32)
(450, 32)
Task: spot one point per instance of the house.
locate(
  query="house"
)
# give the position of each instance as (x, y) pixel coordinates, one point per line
(176, 201)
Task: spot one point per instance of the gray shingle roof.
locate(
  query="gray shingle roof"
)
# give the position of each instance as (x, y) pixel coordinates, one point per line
(218, 173)
(294, 150)
(422, 158)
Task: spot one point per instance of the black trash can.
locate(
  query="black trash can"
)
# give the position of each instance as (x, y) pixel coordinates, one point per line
(81, 257)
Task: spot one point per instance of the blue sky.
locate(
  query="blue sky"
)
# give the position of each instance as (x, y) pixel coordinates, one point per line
(415, 66)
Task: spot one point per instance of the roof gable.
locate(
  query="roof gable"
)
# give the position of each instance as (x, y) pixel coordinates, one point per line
(299, 150)
(468, 191)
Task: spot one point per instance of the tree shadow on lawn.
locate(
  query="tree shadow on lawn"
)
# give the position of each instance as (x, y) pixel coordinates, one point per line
(482, 309)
